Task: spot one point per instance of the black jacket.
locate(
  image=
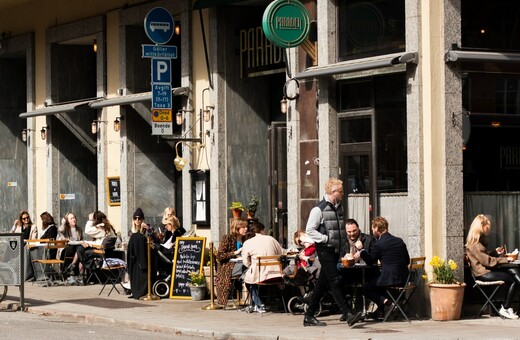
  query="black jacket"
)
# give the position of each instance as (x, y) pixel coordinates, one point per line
(367, 240)
(392, 253)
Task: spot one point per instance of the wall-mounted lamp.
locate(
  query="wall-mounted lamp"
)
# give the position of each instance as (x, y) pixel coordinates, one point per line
(283, 105)
(24, 134)
(94, 127)
(94, 45)
(178, 117)
(177, 29)
(496, 124)
(117, 123)
(43, 132)
(207, 112)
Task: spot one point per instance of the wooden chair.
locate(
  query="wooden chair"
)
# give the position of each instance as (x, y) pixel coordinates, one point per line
(47, 264)
(272, 263)
(401, 295)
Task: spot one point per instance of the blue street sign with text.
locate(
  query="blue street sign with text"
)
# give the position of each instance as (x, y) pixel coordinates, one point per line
(159, 51)
(161, 96)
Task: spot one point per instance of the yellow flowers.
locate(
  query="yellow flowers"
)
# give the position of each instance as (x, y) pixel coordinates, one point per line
(442, 271)
(197, 278)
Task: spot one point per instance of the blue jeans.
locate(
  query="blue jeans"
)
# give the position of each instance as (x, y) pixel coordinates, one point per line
(254, 295)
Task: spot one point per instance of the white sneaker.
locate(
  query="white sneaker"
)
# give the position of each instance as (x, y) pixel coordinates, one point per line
(507, 314)
(512, 313)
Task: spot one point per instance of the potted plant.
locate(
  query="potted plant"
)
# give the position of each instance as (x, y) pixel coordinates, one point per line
(236, 209)
(252, 206)
(197, 285)
(446, 292)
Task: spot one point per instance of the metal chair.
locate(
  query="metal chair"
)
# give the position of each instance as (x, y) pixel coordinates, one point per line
(113, 270)
(481, 285)
(401, 295)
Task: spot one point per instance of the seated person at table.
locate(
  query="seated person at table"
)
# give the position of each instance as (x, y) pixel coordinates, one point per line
(230, 247)
(173, 230)
(50, 231)
(353, 235)
(69, 230)
(99, 228)
(485, 263)
(259, 245)
(391, 251)
(25, 226)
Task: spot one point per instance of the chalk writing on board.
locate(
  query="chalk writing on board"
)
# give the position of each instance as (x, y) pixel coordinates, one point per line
(189, 253)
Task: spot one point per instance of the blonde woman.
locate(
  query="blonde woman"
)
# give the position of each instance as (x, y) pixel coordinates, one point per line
(485, 264)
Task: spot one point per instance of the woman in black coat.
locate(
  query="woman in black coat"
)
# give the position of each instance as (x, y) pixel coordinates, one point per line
(138, 258)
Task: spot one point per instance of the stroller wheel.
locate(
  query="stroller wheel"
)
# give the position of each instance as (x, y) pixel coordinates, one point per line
(161, 288)
(318, 310)
(296, 305)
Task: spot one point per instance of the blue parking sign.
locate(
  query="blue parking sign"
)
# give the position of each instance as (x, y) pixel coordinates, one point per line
(159, 25)
(161, 71)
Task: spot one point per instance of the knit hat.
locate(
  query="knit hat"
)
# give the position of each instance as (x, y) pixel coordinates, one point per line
(139, 213)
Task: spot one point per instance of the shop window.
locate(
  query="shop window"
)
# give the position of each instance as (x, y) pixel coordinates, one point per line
(387, 114)
(498, 29)
(368, 28)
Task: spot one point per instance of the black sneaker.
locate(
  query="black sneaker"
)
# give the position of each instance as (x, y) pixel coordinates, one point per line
(353, 319)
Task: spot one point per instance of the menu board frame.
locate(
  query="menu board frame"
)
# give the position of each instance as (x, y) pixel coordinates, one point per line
(179, 285)
(114, 191)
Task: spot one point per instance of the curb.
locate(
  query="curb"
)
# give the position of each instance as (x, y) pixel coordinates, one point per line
(95, 319)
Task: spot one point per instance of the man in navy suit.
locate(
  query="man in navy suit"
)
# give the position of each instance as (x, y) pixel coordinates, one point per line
(394, 258)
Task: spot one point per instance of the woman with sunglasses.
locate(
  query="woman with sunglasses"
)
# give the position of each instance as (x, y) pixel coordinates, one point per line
(25, 226)
(138, 256)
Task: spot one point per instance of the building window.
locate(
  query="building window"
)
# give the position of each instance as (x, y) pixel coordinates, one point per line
(368, 28)
(383, 122)
(498, 29)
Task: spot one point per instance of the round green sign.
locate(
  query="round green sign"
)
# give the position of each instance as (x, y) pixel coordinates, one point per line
(286, 23)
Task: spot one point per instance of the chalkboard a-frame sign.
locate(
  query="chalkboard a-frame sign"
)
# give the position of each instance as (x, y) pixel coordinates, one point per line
(114, 191)
(189, 255)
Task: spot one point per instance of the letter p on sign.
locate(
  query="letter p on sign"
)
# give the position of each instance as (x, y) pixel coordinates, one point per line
(161, 71)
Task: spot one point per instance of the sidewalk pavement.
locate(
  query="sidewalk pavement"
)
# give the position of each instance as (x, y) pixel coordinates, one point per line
(186, 317)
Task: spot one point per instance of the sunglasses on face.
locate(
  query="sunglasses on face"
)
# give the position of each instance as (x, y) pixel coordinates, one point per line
(138, 218)
(25, 218)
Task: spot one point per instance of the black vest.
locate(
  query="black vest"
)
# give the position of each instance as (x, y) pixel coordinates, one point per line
(332, 226)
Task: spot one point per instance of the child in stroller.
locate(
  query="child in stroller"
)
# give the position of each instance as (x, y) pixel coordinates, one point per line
(302, 274)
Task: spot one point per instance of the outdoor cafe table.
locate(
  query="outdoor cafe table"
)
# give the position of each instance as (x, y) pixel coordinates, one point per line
(363, 267)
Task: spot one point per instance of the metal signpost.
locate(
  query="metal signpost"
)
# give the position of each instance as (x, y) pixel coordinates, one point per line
(159, 27)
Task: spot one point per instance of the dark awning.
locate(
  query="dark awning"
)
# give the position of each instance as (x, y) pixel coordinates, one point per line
(60, 108)
(99, 103)
(497, 57)
(201, 4)
(359, 65)
(121, 100)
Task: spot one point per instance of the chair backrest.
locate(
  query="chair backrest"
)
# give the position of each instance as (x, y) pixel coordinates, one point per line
(416, 268)
(273, 261)
(57, 244)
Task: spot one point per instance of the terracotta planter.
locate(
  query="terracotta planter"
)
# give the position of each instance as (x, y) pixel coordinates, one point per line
(446, 301)
(237, 213)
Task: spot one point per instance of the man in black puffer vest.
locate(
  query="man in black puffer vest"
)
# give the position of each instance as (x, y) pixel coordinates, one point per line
(325, 227)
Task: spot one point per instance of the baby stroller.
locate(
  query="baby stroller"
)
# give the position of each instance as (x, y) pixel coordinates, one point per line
(161, 286)
(304, 280)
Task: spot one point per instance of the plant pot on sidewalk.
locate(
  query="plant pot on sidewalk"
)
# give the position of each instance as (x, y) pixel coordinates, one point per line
(198, 293)
(446, 300)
